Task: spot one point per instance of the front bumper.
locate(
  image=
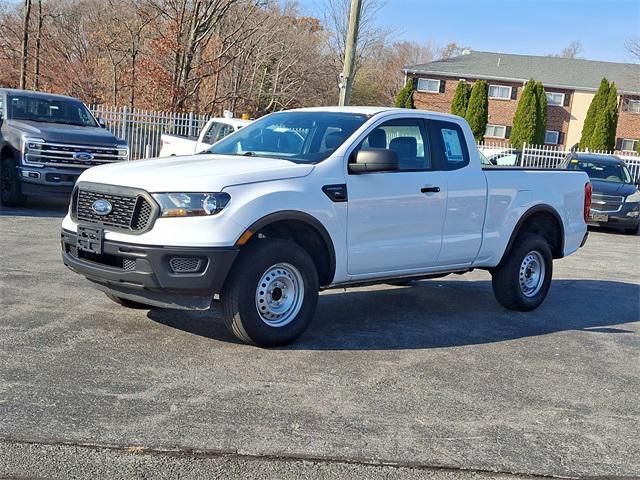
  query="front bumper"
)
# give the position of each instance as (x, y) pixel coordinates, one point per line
(48, 180)
(620, 219)
(148, 274)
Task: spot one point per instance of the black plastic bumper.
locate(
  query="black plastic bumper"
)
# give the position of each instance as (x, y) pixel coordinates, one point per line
(146, 273)
(48, 181)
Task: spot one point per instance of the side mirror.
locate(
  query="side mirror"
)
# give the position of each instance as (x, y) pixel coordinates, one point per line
(375, 160)
(102, 123)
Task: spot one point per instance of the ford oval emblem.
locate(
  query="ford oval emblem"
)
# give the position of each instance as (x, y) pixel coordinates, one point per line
(83, 156)
(102, 207)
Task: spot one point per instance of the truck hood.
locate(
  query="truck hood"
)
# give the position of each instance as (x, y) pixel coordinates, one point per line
(196, 173)
(72, 134)
(613, 188)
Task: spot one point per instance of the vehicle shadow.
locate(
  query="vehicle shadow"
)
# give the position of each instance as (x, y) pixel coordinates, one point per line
(438, 314)
(55, 207)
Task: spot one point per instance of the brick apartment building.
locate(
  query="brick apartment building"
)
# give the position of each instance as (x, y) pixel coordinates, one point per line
(570, 85)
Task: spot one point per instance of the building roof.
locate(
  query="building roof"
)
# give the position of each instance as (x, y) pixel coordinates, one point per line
(570, 73)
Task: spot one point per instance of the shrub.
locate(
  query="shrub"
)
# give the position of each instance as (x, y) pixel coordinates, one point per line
(404, 99)
(598, 104)
(525, 123)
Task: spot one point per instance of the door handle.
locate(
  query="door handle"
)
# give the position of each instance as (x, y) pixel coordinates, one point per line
(430, 189)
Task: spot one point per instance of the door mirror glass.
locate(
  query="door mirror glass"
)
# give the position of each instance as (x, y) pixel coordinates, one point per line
(375, 160)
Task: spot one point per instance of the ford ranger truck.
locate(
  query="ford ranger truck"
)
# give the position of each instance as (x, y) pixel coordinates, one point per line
(304, 200)
(46, 142)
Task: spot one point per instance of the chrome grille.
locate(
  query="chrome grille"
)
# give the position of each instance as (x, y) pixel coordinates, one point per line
(63, 155)
(606, 203)
(133, 213)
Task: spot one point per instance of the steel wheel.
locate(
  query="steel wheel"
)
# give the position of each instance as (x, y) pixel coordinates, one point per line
(279, 294)
(532, 273)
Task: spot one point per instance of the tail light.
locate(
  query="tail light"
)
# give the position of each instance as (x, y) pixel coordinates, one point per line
(587, 201)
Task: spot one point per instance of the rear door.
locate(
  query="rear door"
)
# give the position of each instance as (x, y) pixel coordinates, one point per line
(466, 192)
(395, 219)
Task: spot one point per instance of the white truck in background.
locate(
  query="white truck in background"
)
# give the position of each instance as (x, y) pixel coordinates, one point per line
(214, 130)
(310, 199)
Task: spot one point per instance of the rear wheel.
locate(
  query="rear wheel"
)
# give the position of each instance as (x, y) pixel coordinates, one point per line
(521, 282)
(10, 187)
(129, 303)
(271, 294)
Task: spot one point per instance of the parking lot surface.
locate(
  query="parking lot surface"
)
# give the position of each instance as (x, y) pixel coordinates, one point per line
(417, 378)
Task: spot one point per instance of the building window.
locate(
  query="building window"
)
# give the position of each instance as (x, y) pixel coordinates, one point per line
(554, 98)
(551, 137)
(496, 131)
(629, 145)
(428, 85)
(631, 105)
(499, 91)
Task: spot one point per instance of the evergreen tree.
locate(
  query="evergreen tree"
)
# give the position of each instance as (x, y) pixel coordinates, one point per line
(541, 117)
(604, 132)
(405, 96)
(478, 109)
(638, 146)
(461, 99)
(598, 103)
(612, 107)
(525, 123)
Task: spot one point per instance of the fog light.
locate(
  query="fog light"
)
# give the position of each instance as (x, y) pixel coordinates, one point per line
(30, 174)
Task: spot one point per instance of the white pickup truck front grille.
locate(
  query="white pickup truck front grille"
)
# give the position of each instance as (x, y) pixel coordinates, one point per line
(78, 156)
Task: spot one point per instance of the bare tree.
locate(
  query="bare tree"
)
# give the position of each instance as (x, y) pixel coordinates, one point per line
(572, 50)
(25, 44)
(371, 36)
(451, 50)
(633, 47)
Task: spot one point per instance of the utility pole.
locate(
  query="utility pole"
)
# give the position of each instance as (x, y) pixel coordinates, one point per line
(346, 78)
(25, 44)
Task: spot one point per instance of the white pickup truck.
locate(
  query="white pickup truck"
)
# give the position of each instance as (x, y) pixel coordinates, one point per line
(214, 131)
(310, 199)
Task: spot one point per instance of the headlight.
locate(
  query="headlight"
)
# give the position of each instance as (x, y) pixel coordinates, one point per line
(191, 204)
(633, 198)
(123, 152)
(31, 149)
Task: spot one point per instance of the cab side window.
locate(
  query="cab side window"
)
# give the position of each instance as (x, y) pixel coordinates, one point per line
(449, 145)
(209, 136)
(407, 137)
(223, 132)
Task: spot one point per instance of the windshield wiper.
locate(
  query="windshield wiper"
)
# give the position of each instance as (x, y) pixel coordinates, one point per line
(248, 154)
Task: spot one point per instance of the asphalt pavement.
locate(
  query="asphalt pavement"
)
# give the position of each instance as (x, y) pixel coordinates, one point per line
(434, 380)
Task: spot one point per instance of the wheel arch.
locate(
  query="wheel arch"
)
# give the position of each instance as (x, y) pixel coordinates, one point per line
(536, 220)
(302, 228)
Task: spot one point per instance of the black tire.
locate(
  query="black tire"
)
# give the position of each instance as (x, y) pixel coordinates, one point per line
(240, 295)
(633, 231)
(10, 186)
(129, 303)
(509, 276)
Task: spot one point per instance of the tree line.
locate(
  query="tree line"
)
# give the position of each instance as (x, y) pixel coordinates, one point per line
(247, 56)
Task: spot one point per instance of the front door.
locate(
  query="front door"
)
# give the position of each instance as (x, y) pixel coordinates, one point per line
(395, 219)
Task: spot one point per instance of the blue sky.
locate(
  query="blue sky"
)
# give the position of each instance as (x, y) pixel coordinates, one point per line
(515, 26)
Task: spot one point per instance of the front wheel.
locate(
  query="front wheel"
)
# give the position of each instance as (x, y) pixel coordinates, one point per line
(271, 294)
(522, 281)
(11, 188)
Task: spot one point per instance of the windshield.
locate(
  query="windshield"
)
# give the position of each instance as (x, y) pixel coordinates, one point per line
(605, 172)
(54, 110)
(303, 137)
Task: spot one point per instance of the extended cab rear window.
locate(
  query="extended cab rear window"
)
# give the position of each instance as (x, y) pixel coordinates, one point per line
(448, 145)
